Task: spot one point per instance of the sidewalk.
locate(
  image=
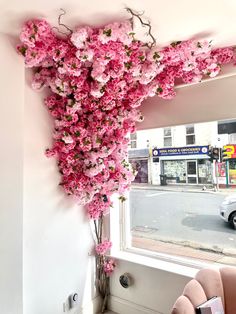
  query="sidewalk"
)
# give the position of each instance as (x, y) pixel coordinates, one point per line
(184, 188)
(170, 248)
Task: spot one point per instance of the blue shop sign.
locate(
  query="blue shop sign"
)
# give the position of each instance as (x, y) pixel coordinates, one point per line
(178, 151)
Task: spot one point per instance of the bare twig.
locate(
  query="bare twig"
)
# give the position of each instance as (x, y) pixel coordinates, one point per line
(101, 226)
(62, 24)
(96, 230)
(144, 24)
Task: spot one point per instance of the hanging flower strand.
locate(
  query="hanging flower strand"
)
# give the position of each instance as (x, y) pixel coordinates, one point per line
(98, 77)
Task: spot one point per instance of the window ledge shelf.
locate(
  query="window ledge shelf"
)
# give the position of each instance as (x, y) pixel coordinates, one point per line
(154, 262)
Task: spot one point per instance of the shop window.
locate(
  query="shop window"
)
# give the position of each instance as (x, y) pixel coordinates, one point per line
(167, 137)
(190, 136)
(177, 218)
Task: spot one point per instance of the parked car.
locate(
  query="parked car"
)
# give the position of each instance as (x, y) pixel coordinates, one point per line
(228, 210)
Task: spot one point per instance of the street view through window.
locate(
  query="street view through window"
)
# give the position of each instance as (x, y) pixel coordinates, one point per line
(183, 199)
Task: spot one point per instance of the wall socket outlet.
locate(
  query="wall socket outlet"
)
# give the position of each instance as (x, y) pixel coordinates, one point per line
(71, 302)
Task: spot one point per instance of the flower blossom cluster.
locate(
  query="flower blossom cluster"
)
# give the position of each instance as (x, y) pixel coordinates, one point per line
(109, 266)
(98, 78)
(103, 247)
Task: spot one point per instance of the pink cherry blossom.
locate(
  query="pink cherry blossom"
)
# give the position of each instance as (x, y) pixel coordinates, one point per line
(103, 247)
(109, 266)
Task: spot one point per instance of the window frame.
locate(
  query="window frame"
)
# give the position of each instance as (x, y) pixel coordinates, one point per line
(183, 114)
(133, 140)
(122, 248)
(188, 135)
(167, 137)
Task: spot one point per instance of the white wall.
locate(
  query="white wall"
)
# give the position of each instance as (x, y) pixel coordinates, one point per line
(57, 236)
(153, 290)
(11, 174)
(55, 241)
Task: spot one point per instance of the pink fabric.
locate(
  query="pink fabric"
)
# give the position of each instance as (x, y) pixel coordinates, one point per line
(228, 276)
(208, 283)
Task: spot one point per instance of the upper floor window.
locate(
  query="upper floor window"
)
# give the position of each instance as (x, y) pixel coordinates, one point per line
(133, 140)
(190, 135)
(167, 137)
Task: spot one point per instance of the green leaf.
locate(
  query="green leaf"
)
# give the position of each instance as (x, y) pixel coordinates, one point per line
(122, 198)
(22, 50)
(69, 118)
(107, 32)
(159, 90)
(156, 55)
(175, 43)
(128, 65)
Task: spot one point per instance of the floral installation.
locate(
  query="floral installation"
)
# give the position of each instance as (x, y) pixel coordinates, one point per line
(98, 77)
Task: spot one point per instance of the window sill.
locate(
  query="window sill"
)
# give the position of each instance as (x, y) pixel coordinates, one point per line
(179, 267)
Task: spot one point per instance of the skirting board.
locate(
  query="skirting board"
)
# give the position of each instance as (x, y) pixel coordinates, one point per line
(122, 306)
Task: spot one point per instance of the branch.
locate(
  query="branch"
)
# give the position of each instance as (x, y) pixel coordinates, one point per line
(62, 24)
(101, 226)
(96, 230)
(138, 16)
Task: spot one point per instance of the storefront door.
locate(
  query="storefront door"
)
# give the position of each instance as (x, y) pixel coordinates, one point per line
(192, 172)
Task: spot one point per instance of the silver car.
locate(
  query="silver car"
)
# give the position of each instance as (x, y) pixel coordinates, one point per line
(228, 210)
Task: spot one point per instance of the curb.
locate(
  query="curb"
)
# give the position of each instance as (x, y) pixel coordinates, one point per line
(157, 188)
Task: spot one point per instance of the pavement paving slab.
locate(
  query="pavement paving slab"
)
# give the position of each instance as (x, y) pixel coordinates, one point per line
(183, 251)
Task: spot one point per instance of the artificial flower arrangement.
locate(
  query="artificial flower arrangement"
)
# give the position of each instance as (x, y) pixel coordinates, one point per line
(98, 77)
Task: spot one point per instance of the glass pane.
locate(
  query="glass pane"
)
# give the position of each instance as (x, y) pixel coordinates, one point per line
(190, 139)
(167, 131)
(167, 141)
(133, 136)
(190, 129)
(133, 144)
(191, 167)
(141, 166)
(166, 213)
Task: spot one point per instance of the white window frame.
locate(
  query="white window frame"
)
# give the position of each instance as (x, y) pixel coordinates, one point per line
(190, 134)
(182, 114)
(122, 249)
(133, 140)
(167, 137)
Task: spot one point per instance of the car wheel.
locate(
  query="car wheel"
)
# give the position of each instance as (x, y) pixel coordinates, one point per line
(233, 220)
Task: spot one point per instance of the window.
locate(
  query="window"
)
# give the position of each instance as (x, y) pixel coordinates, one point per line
(167, 137)
(190, 136)
(178, 217)
(133, 140)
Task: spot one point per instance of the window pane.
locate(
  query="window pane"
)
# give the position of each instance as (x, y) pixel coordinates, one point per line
(167, 131)
(190, 129)
(133, 136)
(133, 144)
(191, 167)
(174, 205)
(190, 139)
(167, 141)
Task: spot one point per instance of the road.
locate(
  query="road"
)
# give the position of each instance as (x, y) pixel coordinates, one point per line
(188, 217)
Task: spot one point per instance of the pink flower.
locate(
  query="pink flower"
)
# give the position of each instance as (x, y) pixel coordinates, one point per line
(103, 247)
(80, 36)
(97, 78)
(109, 266)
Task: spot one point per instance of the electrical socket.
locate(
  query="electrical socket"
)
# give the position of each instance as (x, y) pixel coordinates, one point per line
(71, 302)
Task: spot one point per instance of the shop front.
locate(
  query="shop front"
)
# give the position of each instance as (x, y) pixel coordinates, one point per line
(185, 165)
(139, 158)
(228, 178)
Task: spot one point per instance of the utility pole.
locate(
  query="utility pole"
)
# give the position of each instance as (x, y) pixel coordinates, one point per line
(216, 175)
